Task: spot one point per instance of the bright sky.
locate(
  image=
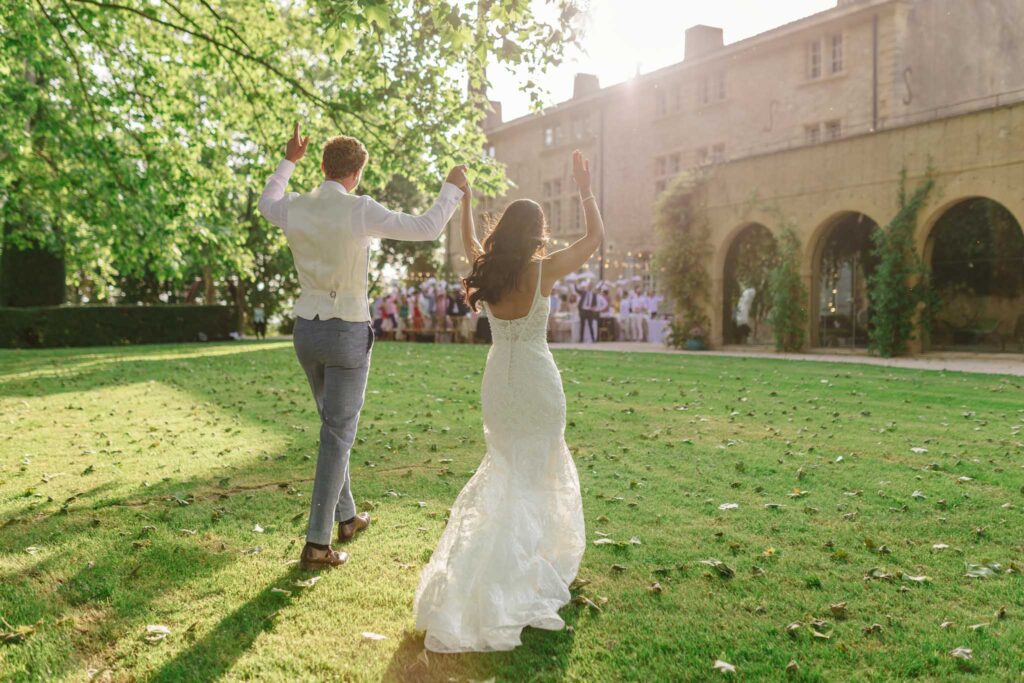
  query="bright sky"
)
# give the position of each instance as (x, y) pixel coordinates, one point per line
(624, 35)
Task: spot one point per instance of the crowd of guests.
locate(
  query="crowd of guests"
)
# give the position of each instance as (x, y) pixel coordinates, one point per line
(582, 310)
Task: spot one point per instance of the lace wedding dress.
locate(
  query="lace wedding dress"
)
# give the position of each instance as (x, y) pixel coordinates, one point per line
(515, 536)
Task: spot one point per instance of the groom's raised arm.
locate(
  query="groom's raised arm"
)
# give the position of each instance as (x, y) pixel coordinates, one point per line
(273, 204)
(371, 219)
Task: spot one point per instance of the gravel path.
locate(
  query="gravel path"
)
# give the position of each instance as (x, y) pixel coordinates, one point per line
(989, 364)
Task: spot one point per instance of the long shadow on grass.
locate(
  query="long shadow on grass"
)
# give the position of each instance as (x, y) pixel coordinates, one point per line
(544, 655)
(212, 656)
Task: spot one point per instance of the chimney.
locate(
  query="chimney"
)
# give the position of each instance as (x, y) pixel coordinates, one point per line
(702, 40)
(584, 84)
(492, 119)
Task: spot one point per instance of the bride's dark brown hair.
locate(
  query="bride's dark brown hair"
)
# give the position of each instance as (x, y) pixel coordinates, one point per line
(519, 237)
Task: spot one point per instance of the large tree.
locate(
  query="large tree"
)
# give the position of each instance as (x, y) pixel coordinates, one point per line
(133, 132)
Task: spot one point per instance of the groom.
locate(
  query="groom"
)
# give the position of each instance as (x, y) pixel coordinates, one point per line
(329, 232)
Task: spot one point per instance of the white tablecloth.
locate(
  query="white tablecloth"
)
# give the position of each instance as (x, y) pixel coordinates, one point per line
(656, 328)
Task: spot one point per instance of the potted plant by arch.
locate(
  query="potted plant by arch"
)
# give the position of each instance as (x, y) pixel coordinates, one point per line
(695, 339)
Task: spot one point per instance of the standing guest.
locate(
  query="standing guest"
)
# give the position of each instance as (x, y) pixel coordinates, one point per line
(259, 321)
(415, 304)
(653, 300)
(441, 307)
(625, 311)
(390, 310)
(589, 312)
(458, 313)
(377, 316)
(638, 313)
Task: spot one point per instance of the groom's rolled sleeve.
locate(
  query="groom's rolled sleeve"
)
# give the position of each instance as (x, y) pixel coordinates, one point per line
(374, 220)
(273, 204)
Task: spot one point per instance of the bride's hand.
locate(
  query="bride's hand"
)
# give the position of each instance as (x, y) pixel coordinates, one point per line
(581, 172)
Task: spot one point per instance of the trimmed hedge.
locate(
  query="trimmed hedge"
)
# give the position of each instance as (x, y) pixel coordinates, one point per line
(99, 325)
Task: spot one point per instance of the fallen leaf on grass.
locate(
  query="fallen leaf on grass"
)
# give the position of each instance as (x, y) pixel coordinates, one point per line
(962, 653)
(258, 529)
(282, 591)
(308, 583)
(983, 571)
(17, 634)
(729, 506)
(724, 667)
(156, 632)
(722, 568)
(370, 635)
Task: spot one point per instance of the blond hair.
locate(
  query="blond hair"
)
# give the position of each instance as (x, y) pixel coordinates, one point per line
(343, 156)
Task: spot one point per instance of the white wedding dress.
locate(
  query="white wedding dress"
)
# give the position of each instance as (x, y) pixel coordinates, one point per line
(515, 536)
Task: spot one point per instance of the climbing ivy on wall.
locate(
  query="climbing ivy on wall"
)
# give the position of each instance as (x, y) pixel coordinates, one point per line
(684, 250)
(788, 316)
(899, 289)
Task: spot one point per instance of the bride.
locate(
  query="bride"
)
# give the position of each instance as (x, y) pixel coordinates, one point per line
(515, 535)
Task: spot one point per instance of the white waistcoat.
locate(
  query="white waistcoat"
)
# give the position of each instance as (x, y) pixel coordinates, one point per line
(332, 261)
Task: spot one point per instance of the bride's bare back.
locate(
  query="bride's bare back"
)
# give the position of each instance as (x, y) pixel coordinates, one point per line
(517, 302)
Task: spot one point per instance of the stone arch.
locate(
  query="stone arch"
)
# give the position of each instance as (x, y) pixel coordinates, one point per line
(973, 247)
(838, 260)
(743, 263)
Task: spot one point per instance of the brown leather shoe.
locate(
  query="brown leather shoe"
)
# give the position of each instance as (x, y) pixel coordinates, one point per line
(346, 532)
(313, 559)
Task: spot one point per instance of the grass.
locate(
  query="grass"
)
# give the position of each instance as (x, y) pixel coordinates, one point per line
(132, 482)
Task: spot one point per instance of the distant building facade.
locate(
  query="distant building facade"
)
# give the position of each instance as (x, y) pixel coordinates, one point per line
(809, 125)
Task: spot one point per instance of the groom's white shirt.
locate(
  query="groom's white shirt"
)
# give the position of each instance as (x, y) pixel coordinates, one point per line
(329, 233)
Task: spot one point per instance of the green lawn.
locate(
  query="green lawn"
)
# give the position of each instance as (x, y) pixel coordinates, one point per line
(132, 482)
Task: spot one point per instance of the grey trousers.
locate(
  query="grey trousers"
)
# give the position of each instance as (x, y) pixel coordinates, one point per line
(335, 354)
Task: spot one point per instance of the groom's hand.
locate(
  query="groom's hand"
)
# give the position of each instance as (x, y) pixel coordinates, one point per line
(296, 148)
(457, 177)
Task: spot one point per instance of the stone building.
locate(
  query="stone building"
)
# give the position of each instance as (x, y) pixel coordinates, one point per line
(810, 125)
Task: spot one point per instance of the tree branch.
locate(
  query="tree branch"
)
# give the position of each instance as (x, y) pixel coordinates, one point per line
(328, 107)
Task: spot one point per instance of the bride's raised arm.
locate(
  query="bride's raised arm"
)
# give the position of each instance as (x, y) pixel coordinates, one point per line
(470, 243)
(569, 260)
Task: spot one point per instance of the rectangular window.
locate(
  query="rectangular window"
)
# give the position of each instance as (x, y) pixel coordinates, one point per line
(718, 153)
(660, 186)
(833, 130)
(814, 59)
(577, 218)
(720, 85)
(553, 188)
(704, 91)
(675, 163)
(702, 156)
(660, 102)
(580, 127)
(552, 136)
(659, 166)
(812, 133)
(836, 41)
(555, 217)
